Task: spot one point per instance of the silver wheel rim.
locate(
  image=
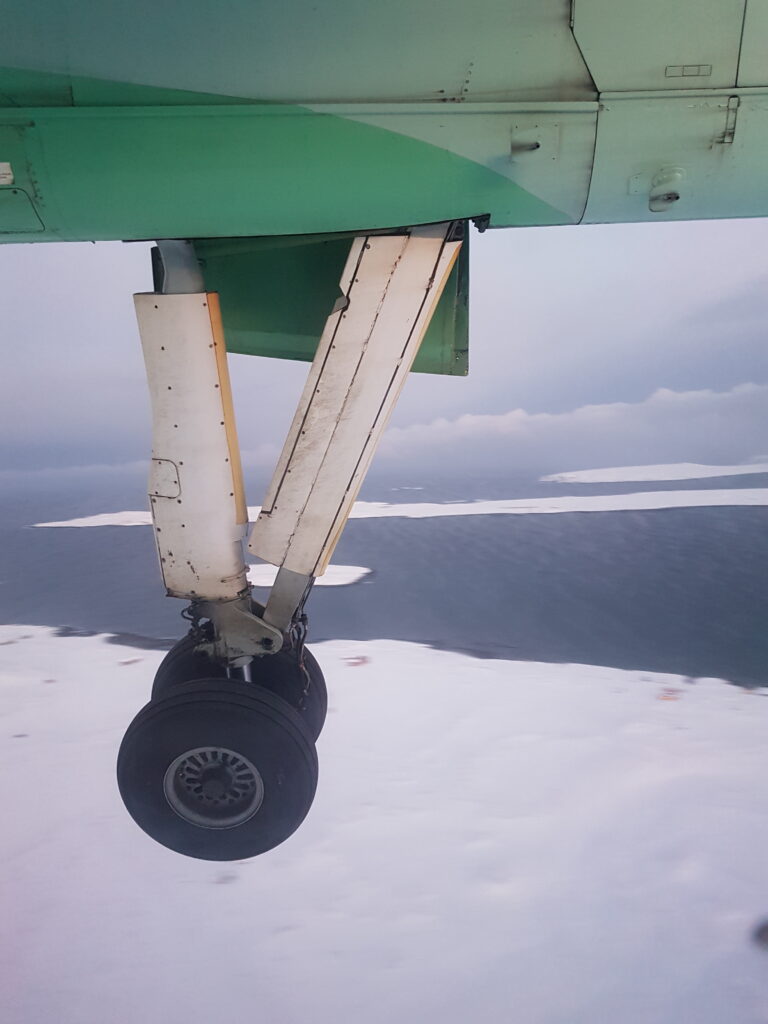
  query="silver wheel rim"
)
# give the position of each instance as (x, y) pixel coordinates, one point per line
(213, 787)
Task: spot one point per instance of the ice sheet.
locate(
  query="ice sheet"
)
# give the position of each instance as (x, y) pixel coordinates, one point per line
(491, 841)
(263, 575)
(669, 471)
(643, 500)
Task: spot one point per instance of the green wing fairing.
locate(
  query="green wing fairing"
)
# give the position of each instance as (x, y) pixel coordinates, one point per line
(101, 173)
(259, 281)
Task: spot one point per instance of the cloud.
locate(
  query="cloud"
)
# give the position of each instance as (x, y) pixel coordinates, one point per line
(559, 318)
(562, 317)
(668, 426)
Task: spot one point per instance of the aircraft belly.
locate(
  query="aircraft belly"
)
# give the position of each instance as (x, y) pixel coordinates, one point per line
(144, 120)
(545, 148)
(207, 172)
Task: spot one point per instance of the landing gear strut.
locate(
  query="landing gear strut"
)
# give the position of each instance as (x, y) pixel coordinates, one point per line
(221, 763)
(292, 674)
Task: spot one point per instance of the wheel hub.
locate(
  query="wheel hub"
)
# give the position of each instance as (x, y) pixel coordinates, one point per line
(213, 787)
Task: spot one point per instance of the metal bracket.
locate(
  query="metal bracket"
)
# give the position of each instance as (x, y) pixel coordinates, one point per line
(175, 268)
(286, 598)
(238, 632)
(665, 189)
(729, 132)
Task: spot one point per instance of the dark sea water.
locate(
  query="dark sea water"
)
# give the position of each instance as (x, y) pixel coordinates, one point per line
(678, 590)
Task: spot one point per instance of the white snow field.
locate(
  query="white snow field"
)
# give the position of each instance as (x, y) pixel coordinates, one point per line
(640, 501)
(495, 842)
(668, 471)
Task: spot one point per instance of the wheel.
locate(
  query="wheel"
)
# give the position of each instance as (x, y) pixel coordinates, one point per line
(279, 673)
(219, 770)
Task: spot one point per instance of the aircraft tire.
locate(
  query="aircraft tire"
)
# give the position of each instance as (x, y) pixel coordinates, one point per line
(220, 770)
(303, 687)
(183, 664)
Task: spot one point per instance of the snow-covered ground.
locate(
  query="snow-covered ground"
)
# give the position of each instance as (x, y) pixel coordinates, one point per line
(669, 471)
(643, 500)
(491, 842)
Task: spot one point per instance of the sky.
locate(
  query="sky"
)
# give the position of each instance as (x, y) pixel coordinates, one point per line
(590, 346)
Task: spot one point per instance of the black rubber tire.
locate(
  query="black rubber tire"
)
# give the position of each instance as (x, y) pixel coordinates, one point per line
(279, 673)
(237, 717)
(183, 664)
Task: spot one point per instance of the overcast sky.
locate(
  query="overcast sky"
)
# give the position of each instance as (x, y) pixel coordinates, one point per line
(658, 330)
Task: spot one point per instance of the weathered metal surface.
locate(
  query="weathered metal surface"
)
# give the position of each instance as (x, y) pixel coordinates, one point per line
(392, 283)
(195, 485)
(238, 632)
(286, 598)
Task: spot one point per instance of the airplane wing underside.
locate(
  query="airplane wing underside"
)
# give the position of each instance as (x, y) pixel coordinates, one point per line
(149, 120)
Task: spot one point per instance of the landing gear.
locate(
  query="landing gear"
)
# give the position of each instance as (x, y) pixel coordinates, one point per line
(221, 763)
(223, 768)
(218, 769)
(293, 675)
